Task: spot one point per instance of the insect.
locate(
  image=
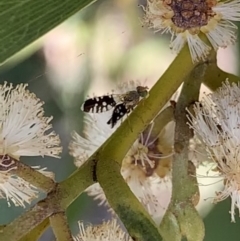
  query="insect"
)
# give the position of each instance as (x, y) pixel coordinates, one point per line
(122, 103)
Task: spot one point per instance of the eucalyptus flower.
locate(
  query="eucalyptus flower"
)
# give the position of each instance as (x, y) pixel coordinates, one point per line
(12, 187)
(15, 189)
(104, 232)
(185, 20)
(216, 122)
(24, 131)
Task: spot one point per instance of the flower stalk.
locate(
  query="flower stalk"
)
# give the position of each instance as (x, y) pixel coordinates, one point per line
(36, 232)
(34, 177)
(69, 189)
(161, 120)
(59, 224)
(74, 185)
(215, 77)
(138, 222)
(22, 225)
(181, 218)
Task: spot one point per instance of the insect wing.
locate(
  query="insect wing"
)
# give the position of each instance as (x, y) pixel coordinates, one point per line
(119, 111)
(99, 104)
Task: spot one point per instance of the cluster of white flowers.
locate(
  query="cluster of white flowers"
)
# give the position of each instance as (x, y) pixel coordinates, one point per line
(106, 231)
(216, 122)
(185, 20)
(24, 131)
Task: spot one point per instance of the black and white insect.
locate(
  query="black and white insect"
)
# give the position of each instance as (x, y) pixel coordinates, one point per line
(122, 103)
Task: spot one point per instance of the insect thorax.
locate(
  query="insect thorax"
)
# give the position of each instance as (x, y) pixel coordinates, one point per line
(131, 98)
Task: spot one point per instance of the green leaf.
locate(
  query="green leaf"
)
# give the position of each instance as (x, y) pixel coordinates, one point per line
(24, 21)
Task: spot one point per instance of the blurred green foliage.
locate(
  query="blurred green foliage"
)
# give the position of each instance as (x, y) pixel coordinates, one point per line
(22, 22)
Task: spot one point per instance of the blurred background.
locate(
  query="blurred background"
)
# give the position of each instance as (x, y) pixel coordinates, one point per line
(103, 44)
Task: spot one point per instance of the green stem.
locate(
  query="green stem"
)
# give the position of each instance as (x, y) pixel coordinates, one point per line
(189, 95)
(215, 76)
(138, 222)
(59, 224)
(161, 120)
(69, 189)
(181, 218)
(63, 194)
(36, 233)
(34, 177)
(23, 224)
